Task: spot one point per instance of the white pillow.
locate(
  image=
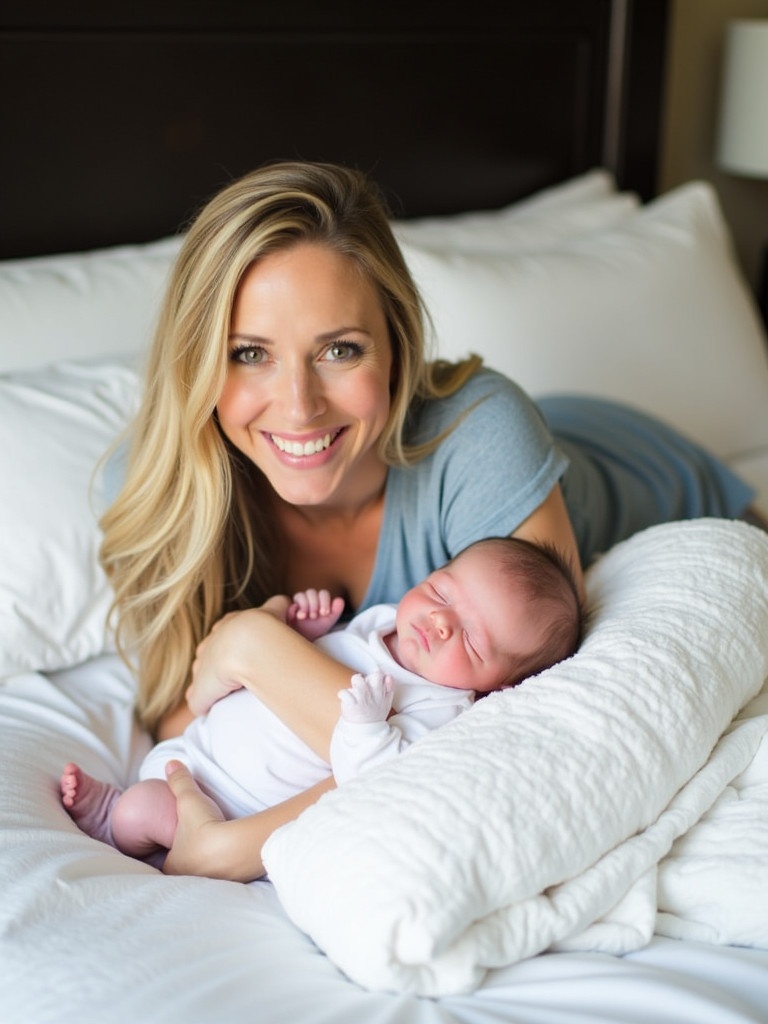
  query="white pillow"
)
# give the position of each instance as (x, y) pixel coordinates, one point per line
(577, 207)
(55, 425)
(653, 312)
(79, 305)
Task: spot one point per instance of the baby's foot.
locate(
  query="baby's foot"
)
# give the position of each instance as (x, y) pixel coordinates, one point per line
(89, 802)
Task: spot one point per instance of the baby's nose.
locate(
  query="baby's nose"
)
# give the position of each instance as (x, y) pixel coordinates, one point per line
(443, 623)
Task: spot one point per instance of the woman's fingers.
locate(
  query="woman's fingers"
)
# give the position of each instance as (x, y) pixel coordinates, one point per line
(198, 817)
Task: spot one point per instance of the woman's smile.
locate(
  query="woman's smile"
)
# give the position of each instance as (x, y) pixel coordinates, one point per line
(303, 448)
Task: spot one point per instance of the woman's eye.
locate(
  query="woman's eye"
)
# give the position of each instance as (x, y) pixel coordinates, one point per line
(248, 355)
(342, 351)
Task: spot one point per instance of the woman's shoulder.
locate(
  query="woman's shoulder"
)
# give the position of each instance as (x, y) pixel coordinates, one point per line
(485, 381)
(487, 395)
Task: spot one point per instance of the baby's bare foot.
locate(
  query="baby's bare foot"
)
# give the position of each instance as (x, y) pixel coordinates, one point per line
(89, 802)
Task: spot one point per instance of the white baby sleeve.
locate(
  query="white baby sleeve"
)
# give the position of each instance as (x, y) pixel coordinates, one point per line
(358, 746)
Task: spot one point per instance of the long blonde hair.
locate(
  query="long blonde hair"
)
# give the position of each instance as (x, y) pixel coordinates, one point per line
(189, 536)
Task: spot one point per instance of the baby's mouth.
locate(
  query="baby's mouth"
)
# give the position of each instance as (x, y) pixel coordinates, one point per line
(423, 638)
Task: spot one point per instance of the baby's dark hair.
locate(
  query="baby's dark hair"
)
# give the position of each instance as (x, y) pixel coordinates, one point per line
(549, 585)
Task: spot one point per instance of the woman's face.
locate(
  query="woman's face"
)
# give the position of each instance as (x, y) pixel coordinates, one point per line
(307, 392)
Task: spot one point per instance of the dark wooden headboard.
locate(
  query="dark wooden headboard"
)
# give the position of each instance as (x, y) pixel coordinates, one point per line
(118, 120)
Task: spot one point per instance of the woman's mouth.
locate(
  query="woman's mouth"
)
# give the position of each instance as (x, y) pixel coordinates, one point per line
(303, 449)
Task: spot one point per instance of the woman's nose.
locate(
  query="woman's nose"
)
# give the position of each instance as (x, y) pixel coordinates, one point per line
(301, 394)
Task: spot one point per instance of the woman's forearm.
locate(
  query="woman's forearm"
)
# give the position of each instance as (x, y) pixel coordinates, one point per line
(294, 678)
(248, 835)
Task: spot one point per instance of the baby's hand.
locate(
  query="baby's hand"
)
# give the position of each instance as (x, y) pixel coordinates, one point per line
(369, 698)
(313, 613)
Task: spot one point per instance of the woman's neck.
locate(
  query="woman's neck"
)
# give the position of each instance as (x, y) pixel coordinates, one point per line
(332, 547)
(344, 513)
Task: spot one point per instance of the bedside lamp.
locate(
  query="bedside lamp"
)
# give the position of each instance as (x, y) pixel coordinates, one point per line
(742, 146)
(743, 140)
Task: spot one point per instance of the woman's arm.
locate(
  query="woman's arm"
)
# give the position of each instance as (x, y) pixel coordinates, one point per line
(295, 679)
(206, 844)
(550, 522)
(174, 721)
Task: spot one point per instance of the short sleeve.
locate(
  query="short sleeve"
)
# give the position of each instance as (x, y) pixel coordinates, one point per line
(496, 465)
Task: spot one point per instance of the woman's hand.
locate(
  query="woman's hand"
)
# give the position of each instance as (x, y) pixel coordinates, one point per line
(218, 666)
(197, 843)
(206, 844)
(221, 658)
(295, 679)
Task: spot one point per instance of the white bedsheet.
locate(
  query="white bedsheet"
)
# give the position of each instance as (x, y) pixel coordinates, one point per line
(538, 819)
(88, 936)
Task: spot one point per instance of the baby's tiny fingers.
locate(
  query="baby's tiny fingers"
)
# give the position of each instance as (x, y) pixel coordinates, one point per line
(348, 699)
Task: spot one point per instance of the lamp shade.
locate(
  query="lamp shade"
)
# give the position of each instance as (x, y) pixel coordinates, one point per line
(743, 130)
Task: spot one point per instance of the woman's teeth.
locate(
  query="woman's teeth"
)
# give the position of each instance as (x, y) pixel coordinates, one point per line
(302, 448)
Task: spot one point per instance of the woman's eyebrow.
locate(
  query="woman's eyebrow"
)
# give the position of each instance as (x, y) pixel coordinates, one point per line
(248, 337)
(336, 332)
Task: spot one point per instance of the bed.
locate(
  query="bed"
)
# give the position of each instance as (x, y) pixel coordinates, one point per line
(599, 849)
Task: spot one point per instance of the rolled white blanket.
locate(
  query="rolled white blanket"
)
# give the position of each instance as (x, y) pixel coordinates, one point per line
(539, 817)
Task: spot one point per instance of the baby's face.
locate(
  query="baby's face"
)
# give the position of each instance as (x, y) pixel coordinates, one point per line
(461, 626)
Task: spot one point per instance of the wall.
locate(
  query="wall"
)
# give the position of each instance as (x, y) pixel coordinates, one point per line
(690, 119)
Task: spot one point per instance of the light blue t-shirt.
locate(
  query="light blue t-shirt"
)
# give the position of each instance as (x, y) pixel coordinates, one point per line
(492, 470)
(620, 471)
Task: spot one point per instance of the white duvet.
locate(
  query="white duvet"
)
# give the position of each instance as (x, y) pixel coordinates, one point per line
(566, 813)
(89, 936)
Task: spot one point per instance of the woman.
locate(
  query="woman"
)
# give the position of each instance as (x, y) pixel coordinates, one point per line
(294, 435)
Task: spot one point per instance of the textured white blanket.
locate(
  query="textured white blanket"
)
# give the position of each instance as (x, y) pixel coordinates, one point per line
(538, 818)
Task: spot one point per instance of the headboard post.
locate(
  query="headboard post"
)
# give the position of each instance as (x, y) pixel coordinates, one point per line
(634, 92)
